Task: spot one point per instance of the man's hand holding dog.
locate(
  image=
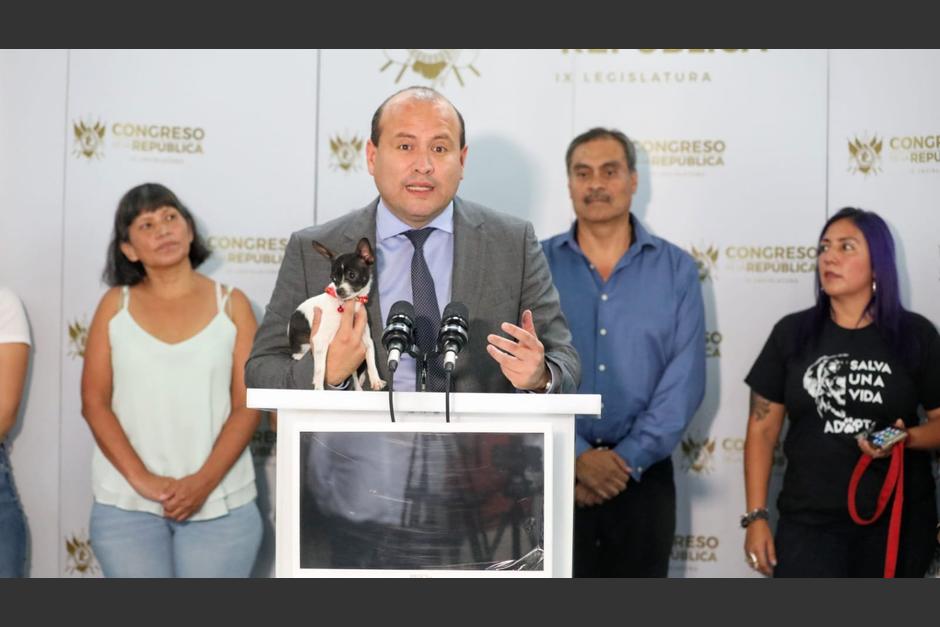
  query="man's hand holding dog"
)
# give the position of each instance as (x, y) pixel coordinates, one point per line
(346, 350)
(523, 360)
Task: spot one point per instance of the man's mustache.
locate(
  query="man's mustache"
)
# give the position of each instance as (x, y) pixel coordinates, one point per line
(597, 196)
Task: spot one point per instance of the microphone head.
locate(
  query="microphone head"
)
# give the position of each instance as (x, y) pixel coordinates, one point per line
(456, 310)
(455, 328)
(399, 329)
(402, 307)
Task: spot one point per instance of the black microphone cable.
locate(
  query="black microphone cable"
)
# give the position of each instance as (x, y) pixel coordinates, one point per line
(391, 383)
(447, 396)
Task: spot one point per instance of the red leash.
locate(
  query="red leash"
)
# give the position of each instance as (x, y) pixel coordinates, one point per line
(894, 483)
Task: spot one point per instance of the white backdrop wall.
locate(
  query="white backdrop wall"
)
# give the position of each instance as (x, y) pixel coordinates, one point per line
(742, 154)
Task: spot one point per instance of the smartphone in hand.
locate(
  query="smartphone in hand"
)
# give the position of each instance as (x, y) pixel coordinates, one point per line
(887, 437)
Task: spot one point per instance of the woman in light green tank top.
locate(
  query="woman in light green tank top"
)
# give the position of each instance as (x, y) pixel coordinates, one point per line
(163, 392)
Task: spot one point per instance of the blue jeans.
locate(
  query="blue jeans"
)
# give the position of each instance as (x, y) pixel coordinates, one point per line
(12, 523)
(140, 544)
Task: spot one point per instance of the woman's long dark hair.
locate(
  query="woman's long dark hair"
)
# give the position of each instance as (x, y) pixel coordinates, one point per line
(119, 270)
(884, 308)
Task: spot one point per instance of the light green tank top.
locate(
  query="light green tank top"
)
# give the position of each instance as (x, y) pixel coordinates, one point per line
(172, 400)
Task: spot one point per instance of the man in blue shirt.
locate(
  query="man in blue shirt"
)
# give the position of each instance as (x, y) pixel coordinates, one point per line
(635, 310)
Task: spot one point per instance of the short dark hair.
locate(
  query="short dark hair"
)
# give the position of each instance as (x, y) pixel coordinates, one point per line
(603, 133)
(119, 270)
(422, 93)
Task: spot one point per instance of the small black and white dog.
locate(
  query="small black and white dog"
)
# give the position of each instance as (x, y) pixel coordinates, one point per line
(351, 278)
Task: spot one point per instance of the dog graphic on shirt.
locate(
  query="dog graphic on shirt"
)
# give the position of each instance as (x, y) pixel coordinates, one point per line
(823, 381)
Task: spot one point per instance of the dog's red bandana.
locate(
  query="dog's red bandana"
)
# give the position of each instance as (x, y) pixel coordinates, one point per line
(331, 290)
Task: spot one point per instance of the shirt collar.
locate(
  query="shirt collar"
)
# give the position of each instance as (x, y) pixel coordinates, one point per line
(643, 237)
(388, 225)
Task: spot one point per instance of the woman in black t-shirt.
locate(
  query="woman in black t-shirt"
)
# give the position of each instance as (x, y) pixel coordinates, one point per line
(854, 363)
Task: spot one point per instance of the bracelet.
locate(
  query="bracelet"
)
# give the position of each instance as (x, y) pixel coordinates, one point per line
(759, 513)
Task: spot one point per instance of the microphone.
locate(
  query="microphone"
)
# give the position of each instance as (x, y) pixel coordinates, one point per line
(454, 334)
(398, 336)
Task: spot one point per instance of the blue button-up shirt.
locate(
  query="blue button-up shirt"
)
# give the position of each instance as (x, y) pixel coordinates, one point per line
(641, 338)
(393, 260)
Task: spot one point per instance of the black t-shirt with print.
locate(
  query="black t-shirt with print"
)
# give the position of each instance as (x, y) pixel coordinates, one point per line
(847, 381)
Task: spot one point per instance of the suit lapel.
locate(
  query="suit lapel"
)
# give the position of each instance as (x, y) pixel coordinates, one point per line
(469, 250)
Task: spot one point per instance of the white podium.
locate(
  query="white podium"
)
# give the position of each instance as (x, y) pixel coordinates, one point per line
(303, 413)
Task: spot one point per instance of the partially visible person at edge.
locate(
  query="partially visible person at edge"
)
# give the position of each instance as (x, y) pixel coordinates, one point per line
(14, 360)
(163, 392)
(857, 361)
(634, 304)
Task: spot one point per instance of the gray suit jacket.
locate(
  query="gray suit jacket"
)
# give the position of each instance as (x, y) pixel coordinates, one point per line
(499, 270)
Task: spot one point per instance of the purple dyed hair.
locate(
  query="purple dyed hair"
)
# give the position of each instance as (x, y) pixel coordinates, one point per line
(885, 307)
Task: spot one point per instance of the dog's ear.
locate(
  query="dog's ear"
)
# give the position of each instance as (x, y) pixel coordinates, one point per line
(364, 248)
(323, 250)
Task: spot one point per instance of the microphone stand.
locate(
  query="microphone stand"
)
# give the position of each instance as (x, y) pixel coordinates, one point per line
(422, 366)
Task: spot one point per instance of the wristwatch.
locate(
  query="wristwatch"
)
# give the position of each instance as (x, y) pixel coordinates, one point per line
(548, 385)
(759, 513)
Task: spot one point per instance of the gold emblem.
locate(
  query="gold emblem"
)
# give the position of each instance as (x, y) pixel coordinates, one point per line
(89, 140)
(713, 343)
(706, 260)
(865, 156)
(697, 455)
(432, 65)
(81, 559)
(345, 152)
(78, 336)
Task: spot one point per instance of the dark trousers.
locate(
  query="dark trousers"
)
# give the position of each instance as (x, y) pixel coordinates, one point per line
(630, 535)
(849, 550)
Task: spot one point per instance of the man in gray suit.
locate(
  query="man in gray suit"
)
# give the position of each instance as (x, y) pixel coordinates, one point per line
(489, 261)
(430, 246)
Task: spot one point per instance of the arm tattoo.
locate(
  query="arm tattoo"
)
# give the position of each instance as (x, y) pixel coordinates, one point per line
(760, 406)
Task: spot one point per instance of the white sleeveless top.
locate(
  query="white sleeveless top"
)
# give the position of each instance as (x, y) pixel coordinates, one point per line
(171, 401)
